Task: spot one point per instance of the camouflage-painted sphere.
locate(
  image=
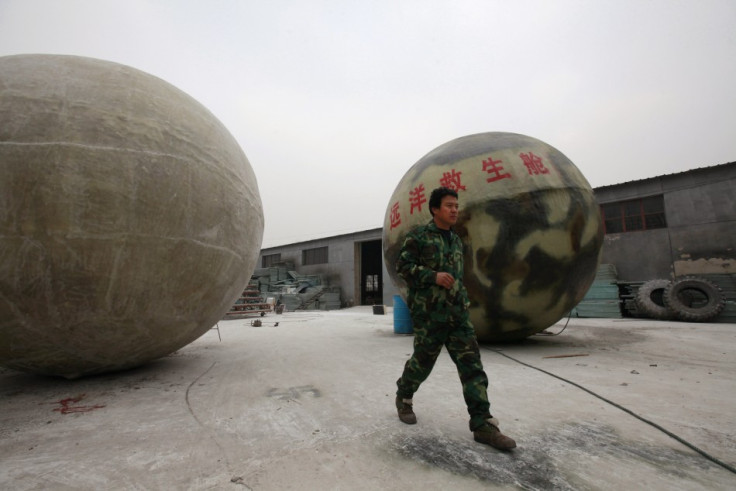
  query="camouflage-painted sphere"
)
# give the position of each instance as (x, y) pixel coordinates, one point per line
(130, 218)
(529, 221)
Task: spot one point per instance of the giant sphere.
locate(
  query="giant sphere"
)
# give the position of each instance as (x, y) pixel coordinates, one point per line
(130, 219)
(529, 221)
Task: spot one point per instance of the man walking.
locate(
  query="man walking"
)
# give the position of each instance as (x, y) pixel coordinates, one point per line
(431, 263)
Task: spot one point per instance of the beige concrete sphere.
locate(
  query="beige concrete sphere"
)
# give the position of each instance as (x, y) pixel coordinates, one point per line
(130, 218)
(529, 221)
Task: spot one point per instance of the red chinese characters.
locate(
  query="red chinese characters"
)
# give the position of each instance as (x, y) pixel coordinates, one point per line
(417, 198)
(395, 216)
(452, 180)
(497, 172)
(533, 164)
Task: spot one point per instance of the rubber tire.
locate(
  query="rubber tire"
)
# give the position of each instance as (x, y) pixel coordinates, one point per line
(646, 304)
(678, 289)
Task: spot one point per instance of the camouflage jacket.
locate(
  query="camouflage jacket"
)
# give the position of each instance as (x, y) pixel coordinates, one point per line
(423, 254)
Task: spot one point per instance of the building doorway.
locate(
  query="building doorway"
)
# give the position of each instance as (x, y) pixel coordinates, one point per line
(371, 275)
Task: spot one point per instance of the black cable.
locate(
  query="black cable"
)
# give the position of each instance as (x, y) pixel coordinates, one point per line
(726, 466)
(545, 333)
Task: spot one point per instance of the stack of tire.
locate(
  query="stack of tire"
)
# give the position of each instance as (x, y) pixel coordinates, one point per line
(689, 299)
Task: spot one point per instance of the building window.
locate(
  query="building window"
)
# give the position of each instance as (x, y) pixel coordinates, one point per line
(633, 215)
(270, 260)
(318, 255)
(371, 283)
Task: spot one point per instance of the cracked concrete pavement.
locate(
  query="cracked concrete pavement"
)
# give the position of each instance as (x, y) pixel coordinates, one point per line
(309, 404)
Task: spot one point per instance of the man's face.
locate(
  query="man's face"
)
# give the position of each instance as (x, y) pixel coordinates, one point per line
(446, 215)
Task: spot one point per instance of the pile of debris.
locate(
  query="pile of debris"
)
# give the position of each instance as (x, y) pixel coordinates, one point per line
(295, 291)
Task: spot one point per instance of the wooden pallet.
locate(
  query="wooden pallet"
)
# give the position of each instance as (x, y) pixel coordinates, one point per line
(250, 303)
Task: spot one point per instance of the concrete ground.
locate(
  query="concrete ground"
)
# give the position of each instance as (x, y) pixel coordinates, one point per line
(309, 404)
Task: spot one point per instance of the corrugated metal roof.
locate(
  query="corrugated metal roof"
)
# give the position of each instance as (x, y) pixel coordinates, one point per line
(323, 239)
(691, 171)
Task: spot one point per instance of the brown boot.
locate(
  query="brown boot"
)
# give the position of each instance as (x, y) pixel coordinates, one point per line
(406, 414)
(489, 434)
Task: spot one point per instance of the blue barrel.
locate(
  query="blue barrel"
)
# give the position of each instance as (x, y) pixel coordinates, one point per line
(402, 317)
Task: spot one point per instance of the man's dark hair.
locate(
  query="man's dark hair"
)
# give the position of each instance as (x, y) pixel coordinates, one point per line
(435, 199)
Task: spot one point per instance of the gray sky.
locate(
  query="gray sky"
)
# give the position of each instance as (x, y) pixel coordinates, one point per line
(333, 100)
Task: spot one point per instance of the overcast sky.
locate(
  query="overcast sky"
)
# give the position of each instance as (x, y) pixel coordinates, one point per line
(333, 100)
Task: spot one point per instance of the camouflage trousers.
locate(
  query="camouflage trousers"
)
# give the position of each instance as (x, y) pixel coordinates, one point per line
(459, 339)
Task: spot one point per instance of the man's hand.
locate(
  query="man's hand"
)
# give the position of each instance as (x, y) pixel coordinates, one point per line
(445, 280)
